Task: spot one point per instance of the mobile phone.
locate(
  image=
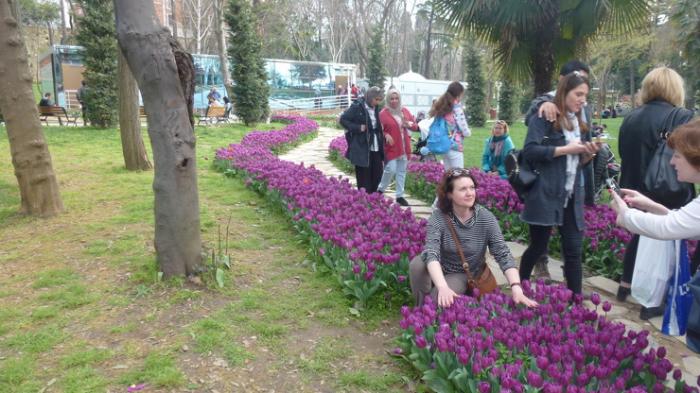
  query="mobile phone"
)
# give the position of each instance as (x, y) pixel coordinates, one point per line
(612, 185)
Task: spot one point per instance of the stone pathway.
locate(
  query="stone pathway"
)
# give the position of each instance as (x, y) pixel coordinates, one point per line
(315, 153)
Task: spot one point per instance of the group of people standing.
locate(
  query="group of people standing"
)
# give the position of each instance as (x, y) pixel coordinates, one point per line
(379, 142)
(560, 149)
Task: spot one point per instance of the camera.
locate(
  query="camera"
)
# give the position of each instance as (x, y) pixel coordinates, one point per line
(612, 185)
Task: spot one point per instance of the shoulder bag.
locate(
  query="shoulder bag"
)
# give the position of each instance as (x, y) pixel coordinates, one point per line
(485, 282)
(660, 180)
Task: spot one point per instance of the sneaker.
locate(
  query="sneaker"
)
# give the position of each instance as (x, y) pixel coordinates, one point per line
(650, 312)
(622, 293)
(541, 268)
(401, 201)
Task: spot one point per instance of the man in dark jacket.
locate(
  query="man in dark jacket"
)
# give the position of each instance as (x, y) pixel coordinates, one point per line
(365, 138)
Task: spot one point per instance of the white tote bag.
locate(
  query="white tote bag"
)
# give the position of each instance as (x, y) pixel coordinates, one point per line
(424, 126)
(653, 267)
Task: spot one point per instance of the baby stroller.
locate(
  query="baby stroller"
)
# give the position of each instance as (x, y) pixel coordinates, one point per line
(420, 149)
(604, 165)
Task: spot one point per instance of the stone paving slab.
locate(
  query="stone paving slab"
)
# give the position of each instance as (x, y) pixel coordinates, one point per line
(315, 153)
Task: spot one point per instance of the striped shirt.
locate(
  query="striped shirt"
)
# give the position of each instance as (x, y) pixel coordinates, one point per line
(480, 231)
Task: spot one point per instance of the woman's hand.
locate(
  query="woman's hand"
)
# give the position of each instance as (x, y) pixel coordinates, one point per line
(636, 200)
(520, 298)
(363, 128)
(389, 139)
(446, 296)
(549, 110)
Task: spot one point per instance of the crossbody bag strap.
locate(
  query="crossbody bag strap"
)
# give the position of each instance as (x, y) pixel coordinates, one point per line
(465, 265)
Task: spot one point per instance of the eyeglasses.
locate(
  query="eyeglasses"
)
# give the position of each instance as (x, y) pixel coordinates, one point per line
(456, 172)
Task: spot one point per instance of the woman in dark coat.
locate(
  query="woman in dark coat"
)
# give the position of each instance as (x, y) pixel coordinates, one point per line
(558, 152)
(363, 132)
(662, 92)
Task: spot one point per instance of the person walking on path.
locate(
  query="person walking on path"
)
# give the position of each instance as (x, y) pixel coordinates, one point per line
(363, 133)
(396, 121)
(449, 107)
(558, 152)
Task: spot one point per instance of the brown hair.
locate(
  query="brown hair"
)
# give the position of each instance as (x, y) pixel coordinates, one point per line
(443, 105)
(685, 139)
(566, 84)
(446, 186)
(664, 84)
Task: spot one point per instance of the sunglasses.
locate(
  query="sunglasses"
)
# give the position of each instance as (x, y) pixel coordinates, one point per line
(456, 172)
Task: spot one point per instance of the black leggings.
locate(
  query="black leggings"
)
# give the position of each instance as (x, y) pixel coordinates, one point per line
(571, 245)
(369, 177)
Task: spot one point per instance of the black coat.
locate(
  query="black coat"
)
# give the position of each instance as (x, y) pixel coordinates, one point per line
(639, 136)
(359, 142)
(586, 137)
(544, 202)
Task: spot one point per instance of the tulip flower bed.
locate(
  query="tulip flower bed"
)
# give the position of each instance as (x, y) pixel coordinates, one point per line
(491, 345)
(364, 239)
(604, 242)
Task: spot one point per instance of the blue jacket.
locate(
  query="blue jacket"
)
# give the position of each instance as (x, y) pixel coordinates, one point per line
(544, 202)
(488, 161)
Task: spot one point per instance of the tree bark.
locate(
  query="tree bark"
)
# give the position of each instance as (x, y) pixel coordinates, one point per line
(135, 156)
(31, 159)
(543, 60)
(148, 50)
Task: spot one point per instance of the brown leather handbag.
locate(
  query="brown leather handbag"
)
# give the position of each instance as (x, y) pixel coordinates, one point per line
(485, 282)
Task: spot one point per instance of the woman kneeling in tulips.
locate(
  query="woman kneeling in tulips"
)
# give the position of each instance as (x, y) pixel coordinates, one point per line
(447, 269)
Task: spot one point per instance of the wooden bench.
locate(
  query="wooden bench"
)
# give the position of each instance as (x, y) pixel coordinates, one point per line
(214, 114)
(59, 112)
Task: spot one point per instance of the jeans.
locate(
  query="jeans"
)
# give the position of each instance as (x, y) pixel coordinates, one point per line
(422, 283)
(571, 245)
(453, 159)
(368, 177)
(396, 167)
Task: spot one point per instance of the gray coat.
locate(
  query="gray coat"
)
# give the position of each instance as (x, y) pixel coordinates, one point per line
(544, 202)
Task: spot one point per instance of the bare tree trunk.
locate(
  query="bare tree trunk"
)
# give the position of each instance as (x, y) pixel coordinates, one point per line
(221, 41)
(31, 159)
(428, 45)
(135, 156)
(148, 48)
(64, 36)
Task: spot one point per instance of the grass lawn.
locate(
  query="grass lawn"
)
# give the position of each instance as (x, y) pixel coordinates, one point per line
(82, 310)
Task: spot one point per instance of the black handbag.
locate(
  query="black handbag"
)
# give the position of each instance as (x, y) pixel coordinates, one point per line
(521, 176)
(660, 180)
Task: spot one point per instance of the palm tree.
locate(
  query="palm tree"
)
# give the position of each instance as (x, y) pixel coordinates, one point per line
(533, 37)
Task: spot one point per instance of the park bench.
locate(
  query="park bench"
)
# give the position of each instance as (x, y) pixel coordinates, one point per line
(214, 114)
(59, 112)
